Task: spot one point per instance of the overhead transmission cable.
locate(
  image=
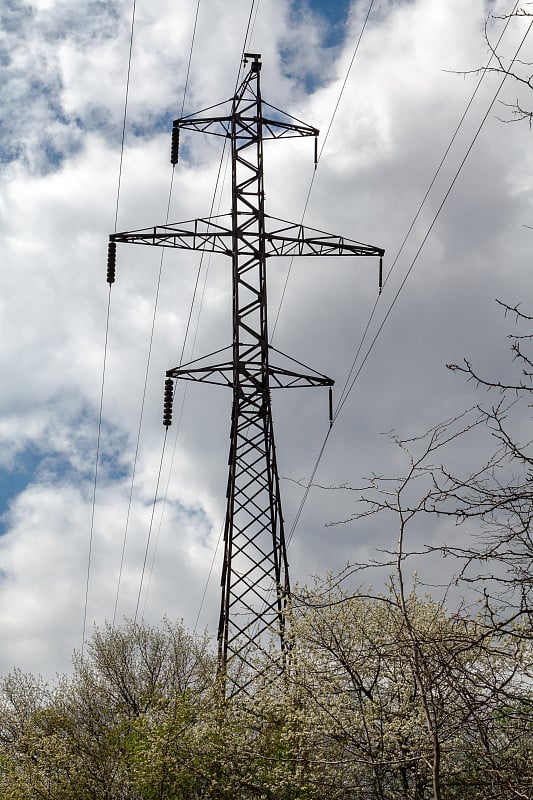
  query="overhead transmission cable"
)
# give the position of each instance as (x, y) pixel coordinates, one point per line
(415, 259)
(249, 31)
(154, 316)
(408, 273)
(95, 481)
(252, 27)
(182, 405)
(100, 415)
(329, 128)
(484, 72)
(311, 183)
(150, 527)
(303, 215)
(356, 48)
(247, 34)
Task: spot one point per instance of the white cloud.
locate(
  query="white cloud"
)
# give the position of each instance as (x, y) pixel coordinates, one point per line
(64, 90)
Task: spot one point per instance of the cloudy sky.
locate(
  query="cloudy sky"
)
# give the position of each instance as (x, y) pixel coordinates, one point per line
(64, 65)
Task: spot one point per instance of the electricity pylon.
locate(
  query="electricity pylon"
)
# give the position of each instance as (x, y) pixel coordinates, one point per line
(255, 574)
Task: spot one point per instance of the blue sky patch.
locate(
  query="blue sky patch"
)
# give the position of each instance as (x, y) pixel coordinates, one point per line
(329, 20)
(12, 14)
(154, 125)
(335, 14)
(54, 467)
(14, 480)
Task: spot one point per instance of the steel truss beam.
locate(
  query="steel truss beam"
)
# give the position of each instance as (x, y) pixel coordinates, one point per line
(255, 574)
(209, 235)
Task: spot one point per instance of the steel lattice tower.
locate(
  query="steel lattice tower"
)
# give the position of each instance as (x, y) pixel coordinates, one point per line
(255, 574)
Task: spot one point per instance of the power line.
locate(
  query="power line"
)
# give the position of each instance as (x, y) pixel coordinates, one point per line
(125, 113)
(100, 415)
(252, 29)
(422, 203)
(303, 215)
(394, 300)
(247, 33)
(312, 181)
(190, 56)
(150, 527)
(125, 536)
(180, 415)
(98, 442)
(415, 259)
(141, 416)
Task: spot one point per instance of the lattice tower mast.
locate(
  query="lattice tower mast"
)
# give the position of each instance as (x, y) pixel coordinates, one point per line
(255, 573)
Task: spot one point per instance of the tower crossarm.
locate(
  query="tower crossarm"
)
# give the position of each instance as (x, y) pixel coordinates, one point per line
(221, 126)
(278, 129)
(217, 126)
(298, 240)
(244, 112)
(282, 376)
(207, 234)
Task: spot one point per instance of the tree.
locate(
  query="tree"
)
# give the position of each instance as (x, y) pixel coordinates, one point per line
(349, 719)
(491, 505)
(388, 682)
(80, 739)
(515, 68)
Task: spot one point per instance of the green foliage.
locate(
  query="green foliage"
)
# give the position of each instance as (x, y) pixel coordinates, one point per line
(374, 688)
(391, 684)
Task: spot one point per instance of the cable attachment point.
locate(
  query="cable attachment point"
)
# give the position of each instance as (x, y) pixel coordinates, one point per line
(175, 145)
(111, 261)
(168, 402)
